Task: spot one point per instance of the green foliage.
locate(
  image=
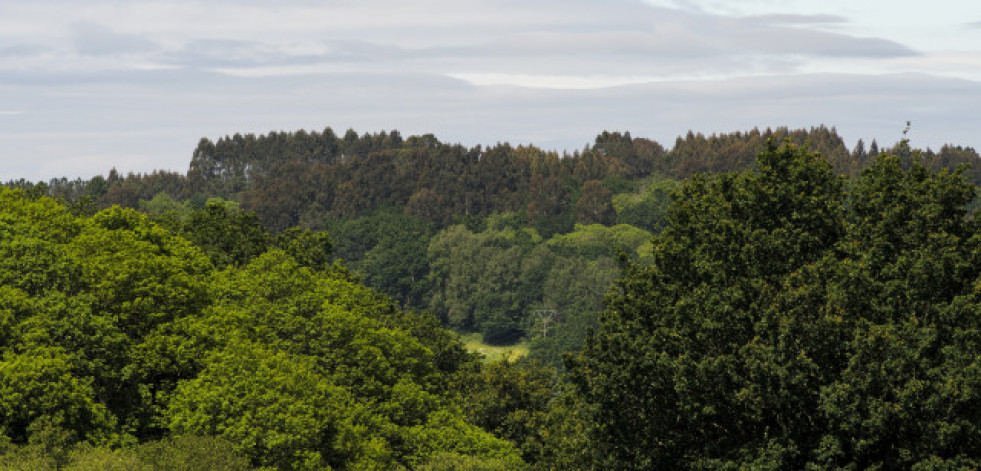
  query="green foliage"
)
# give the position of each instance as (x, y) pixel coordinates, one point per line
(299, 178)
(567, 431)
(226, 234)
(117, 332)
(727, 152)
(25, 458)
(191, 453)
(388, 248)
(572, 273)
(187, 453)
(647, 208)
(574, 289)
(476, 277)
(38, 388)
(781, 319)
(104, 459)
(511, 400)
(275, 406)
(231, 237)
(595, 241)
(456, 462)
(162, 204)
(80, 297)
(595, 205)
(494, 281)
(308, 248)
(787, 324)
(324, 372)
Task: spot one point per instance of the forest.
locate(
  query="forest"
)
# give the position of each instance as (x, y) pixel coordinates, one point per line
(766, 299)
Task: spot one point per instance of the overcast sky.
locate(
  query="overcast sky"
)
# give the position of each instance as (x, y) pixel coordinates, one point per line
(90, 85)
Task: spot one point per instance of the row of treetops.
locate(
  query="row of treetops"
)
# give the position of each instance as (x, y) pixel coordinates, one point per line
(298, 178)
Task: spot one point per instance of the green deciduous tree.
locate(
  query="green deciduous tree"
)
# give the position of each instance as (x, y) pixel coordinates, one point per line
(94, 289)
(305, 369)
(647, 208)
(275, 406)
(511, 400)
(117, 332)
(789, 324)
(476, 278)
(595, 204)
(228, 235)
(37, 388)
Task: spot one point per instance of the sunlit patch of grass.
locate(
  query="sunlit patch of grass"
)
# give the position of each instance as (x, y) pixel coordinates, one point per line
(475, 343)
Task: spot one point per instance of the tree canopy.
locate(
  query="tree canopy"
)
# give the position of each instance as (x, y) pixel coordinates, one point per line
(115, 332)
(789, 321)
(783, 309)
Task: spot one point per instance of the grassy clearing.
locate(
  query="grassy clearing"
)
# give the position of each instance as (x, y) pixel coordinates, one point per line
(475, 343)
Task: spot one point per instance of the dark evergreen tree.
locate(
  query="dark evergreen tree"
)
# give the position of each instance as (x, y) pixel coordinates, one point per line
(778, 330)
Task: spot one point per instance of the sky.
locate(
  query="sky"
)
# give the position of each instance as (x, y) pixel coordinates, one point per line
(86, 86)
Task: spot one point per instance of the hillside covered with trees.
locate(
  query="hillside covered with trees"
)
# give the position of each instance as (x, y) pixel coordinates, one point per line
(117, 332)
(737, 301)
(482, 237)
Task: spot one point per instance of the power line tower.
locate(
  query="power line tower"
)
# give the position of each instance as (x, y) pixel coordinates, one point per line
(546, 316)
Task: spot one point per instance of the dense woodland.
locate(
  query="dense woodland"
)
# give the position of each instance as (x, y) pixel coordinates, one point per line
(763, 299)
(480, 237)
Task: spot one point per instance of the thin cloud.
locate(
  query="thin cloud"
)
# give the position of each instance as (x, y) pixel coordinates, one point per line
(817, 43)
(98, 40)
(24, 50)
(217, 53)
(797, 19)
(479, 37)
